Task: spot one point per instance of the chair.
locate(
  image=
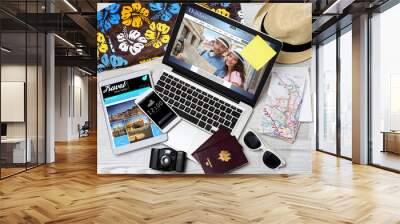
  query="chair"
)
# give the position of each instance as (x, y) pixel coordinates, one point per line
(84, 130)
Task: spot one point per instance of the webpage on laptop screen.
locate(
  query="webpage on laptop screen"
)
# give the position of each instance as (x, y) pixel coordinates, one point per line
(212, 48)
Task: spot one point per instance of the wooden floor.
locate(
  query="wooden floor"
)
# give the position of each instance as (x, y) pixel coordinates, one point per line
(70, 191)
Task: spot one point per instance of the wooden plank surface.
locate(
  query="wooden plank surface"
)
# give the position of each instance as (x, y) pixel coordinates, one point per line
(70, 191)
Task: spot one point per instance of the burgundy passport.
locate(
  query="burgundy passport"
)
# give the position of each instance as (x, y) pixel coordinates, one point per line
(221, 153)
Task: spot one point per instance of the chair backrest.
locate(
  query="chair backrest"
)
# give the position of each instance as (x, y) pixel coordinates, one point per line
(86, 125)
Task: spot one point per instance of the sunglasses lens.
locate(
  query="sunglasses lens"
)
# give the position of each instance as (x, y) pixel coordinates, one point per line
(271, 160)
(251, 140)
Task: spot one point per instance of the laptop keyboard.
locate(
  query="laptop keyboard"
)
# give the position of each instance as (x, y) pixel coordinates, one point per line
(196, 106)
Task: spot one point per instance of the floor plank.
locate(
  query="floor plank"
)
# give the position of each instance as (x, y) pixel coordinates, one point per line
(70, 191)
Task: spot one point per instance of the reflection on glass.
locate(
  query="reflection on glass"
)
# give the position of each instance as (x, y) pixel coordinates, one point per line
(346, 94)
(41, 99)
(22, 89)
(385, 84)
(31, 98)
(13, 84)
(327, 96)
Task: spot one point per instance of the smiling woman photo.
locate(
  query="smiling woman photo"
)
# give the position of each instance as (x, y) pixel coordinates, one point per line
(234, 68)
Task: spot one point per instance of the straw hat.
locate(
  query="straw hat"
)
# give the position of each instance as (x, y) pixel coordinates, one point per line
(290, 23)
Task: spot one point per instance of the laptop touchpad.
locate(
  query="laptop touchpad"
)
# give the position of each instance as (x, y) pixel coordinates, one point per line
(186, 137)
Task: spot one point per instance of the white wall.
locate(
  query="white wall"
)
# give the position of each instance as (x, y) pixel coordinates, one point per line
(15, 73)
(71, 94)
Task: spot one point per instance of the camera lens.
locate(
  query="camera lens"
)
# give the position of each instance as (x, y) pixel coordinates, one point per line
(165, 161)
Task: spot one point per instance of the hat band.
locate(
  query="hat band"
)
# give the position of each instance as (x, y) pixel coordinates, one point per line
(238, 56)
(289, 47)
(224, 42)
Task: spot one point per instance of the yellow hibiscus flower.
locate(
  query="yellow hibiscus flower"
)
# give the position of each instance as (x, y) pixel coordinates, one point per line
(157, 34)
(102, 47)
(134, 15)
(223, 12)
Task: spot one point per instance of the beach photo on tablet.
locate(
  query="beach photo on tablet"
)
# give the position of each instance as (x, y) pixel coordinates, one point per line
(129, 124)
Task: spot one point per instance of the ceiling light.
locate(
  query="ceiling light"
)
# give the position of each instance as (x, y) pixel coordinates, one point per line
(5, 50)
(337, 7)
(70, 5)
(84, 71)
(64, 40)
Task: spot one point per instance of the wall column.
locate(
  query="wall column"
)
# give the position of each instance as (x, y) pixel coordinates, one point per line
(360, 90)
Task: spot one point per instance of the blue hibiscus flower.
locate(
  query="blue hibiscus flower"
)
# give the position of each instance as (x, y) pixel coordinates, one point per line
(224, 5)
(107, 17)
(165, 11)
(113, 60)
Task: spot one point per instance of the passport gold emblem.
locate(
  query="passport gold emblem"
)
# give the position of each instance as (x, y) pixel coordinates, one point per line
(224, 156)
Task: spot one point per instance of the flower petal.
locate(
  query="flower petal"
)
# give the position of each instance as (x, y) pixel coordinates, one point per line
(163, 28)
(144, 12)
(99, 15)
(149, 34)
(136, 7)
(222, 12)
(166, 16)
(107, 25)
(117, 61)
(136, 48)
(104, 60)
(137, 22)
(114, 18)
(127, 22)
(100, 37)
(100, 67)
(124, 46)
(153, 26)
(133, 34)
(174, 8)
(113, 8)
(121, 37)
(157, 44)
(103, 48)
(142, 40)
(126, 12)
(164, 38)
(156, 6)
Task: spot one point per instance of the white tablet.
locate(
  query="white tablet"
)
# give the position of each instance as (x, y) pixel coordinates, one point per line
(128, 127)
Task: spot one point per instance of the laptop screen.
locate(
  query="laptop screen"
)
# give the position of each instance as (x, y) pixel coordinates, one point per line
(211, 47)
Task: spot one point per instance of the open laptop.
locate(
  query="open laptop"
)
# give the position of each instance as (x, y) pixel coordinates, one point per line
(199, 88)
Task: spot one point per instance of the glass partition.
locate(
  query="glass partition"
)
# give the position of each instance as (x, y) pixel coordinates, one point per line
(22, 77)
(385, 89)
(346, 92)
(327, 96)
(13, 94)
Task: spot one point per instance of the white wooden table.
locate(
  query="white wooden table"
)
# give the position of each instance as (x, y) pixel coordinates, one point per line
(298, 155)
(20, 155)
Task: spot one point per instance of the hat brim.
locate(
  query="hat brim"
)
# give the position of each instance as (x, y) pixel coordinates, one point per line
(283, 57)
(294, 57)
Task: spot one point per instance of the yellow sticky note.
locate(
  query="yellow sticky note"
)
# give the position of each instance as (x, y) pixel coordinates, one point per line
(258, 52)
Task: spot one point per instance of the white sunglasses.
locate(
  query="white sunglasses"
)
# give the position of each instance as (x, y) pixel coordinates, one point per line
(270, 158)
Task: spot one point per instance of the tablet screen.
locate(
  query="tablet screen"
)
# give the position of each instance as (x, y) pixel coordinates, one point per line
(127, 121)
